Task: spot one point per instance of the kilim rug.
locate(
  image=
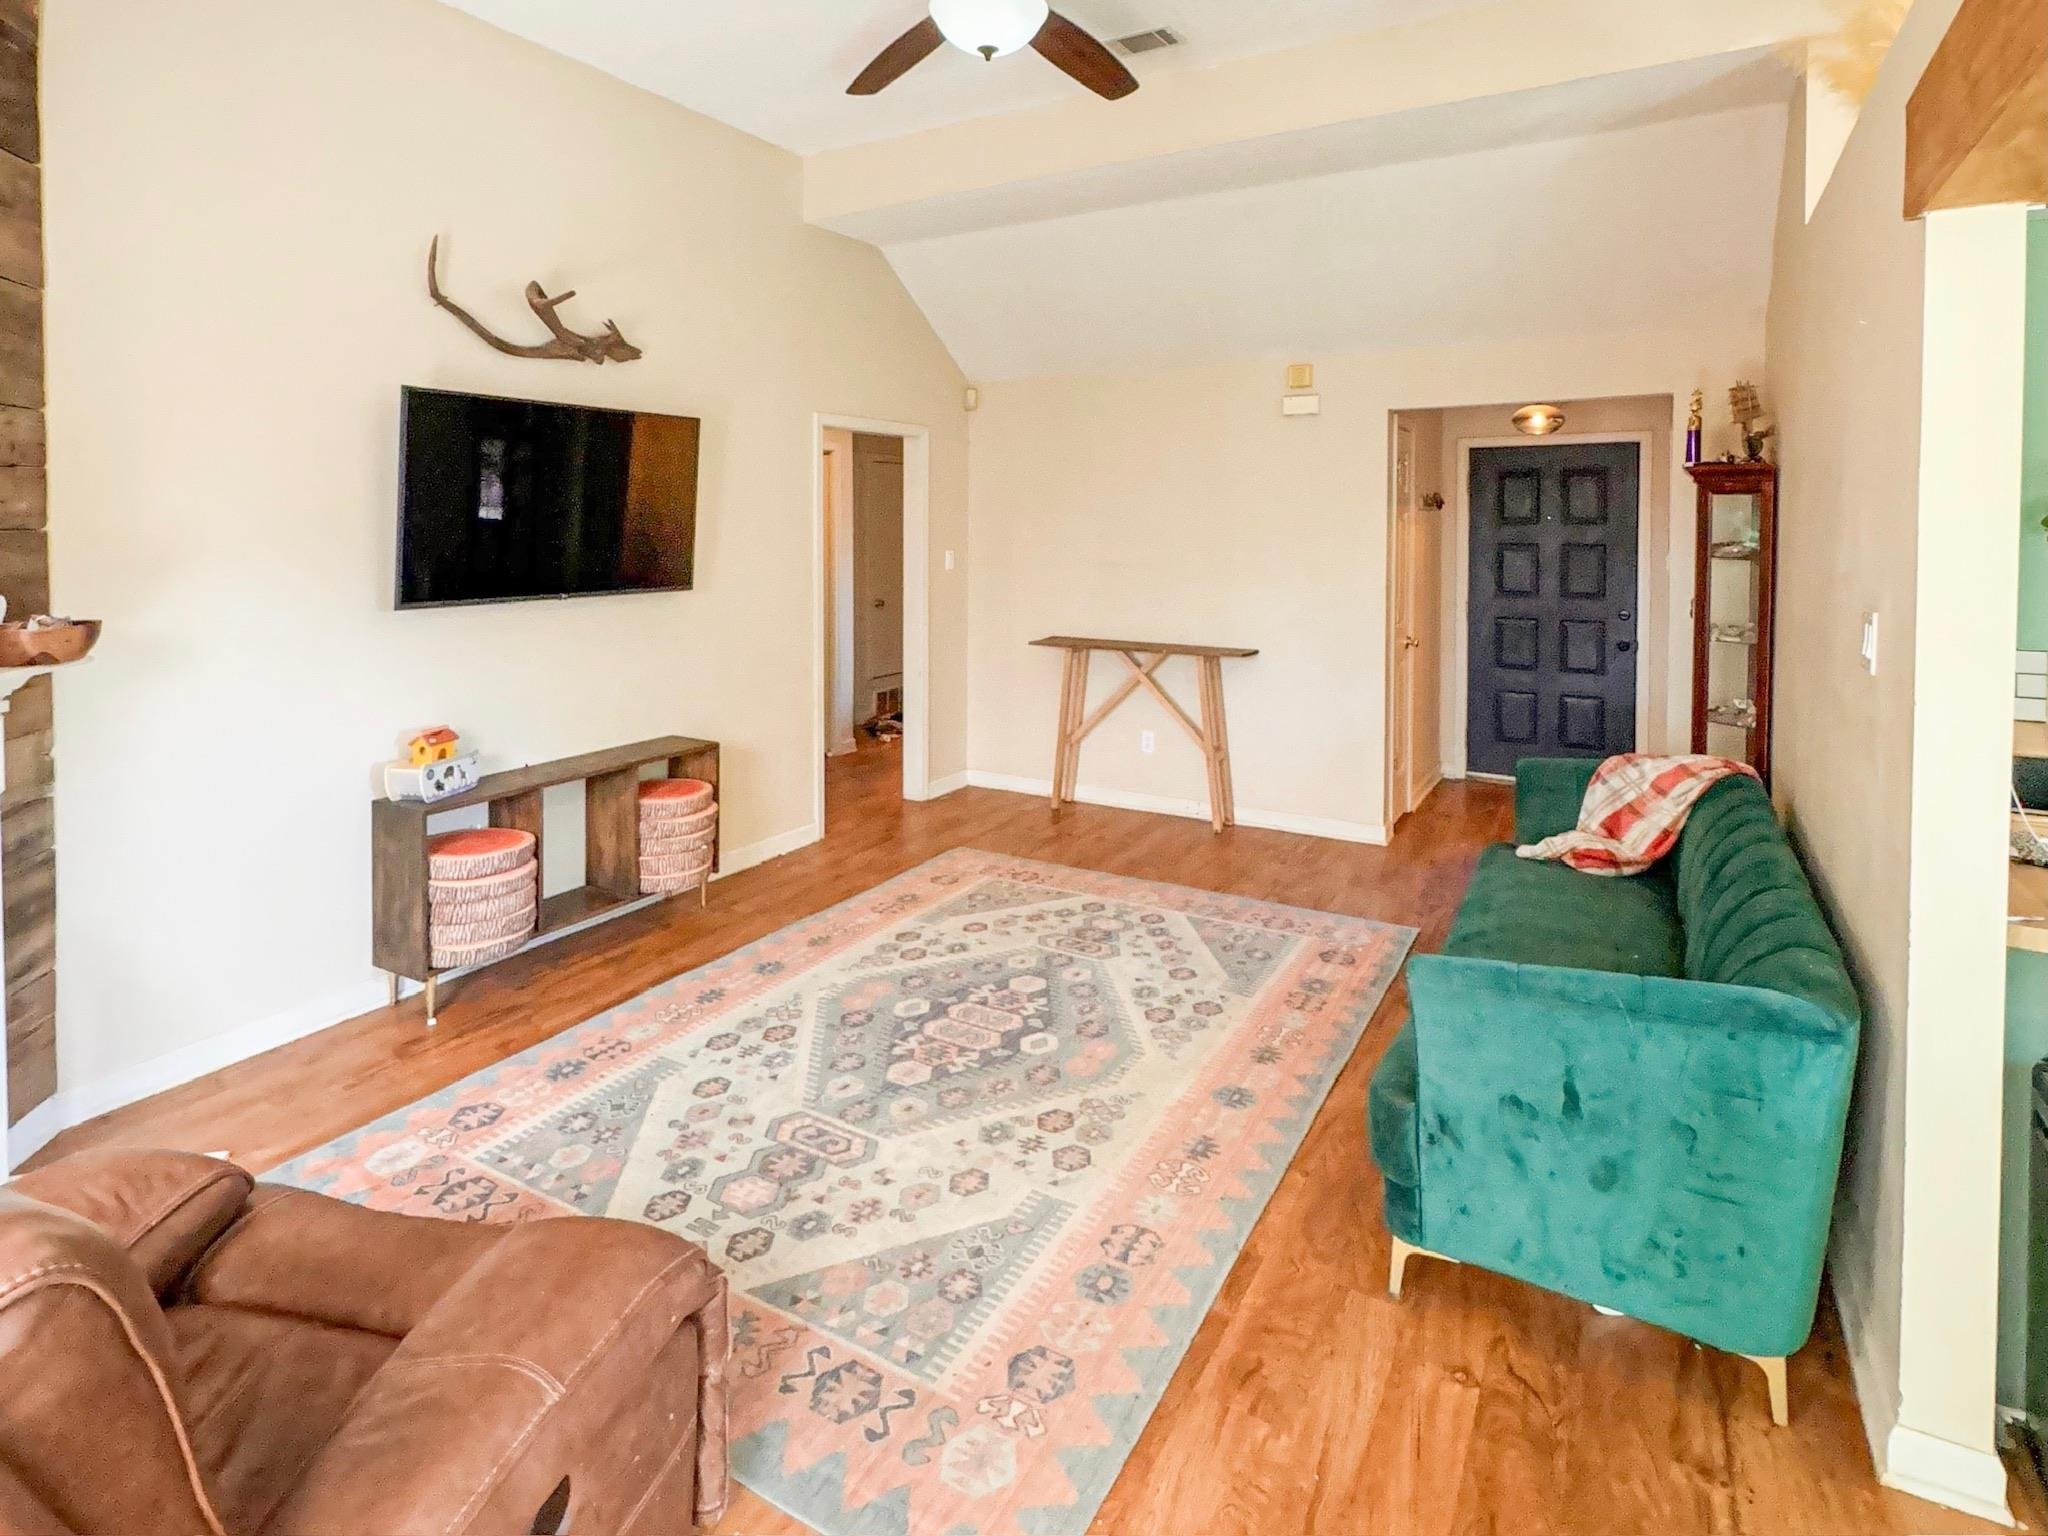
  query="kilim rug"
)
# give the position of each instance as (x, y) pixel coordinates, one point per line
(977, 1149)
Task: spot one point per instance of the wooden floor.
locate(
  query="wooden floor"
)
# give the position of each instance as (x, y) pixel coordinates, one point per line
(1309, 1402)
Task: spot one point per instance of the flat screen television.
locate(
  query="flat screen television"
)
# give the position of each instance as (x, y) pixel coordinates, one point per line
(506, 500)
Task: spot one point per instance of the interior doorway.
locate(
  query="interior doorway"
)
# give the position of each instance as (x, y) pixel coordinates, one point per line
(863, 484)
(873, 492)
(876, 661)
(1431, 528)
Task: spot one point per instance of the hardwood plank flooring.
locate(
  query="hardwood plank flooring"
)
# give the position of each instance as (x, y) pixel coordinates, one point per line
(1309, 1401)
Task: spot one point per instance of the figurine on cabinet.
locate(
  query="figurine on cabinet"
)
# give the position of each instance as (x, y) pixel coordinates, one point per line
(1757, 429)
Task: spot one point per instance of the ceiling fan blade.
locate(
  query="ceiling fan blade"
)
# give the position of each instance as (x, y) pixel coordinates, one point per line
(899, 58)
(1088, 61)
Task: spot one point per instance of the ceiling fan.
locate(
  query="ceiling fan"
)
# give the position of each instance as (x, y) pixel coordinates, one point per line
(994, 28)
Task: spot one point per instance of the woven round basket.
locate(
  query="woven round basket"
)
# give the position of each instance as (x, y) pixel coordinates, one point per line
(673, 885)
(674, 797)
(454, 956)
(661, 866)
(686, 836)
(475, 852)
(466, 933)
(520, 883)
(497, 901)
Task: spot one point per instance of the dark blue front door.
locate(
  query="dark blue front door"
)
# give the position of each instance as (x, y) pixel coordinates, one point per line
(1552, 645)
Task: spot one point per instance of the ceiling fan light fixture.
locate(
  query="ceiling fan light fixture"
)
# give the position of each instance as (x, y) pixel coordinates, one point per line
(990, 28)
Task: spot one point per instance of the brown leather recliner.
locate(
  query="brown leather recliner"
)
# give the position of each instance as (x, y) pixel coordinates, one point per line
(186, 1353)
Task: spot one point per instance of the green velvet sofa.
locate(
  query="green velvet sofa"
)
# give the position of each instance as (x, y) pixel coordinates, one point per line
(1630, 1090)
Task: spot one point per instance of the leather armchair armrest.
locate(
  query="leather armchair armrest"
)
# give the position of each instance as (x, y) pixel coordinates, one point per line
(165, 1208)
(316, 1257)
(579, 1348)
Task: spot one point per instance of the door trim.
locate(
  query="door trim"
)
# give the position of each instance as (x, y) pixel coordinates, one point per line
(837, 488)
(1392, 809)
(917, 636)
(1650, 647)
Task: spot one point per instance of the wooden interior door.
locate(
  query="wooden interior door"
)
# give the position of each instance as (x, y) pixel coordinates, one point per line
(1401, 759)
(878, 568)
(1423, 643)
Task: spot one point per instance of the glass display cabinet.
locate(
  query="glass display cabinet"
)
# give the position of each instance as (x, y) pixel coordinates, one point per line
(1735, 582)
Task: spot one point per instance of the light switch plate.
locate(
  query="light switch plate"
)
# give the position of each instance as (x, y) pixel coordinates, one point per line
(1869, 649)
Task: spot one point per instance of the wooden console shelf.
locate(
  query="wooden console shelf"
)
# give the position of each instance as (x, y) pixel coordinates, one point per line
(611, 845)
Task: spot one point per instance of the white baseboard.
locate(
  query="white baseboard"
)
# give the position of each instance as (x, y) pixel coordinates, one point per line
(30, 1134)
(1910, 1460)
(75, 1106)
(1194, 810)
(946, 786)
(732, 860)
(1943, 1472)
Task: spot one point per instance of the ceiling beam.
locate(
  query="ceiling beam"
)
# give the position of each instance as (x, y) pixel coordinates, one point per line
(1466, 55)
(1977, 125)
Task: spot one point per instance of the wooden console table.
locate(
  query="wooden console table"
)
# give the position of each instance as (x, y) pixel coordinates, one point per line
(1144, 658)
(399, 939)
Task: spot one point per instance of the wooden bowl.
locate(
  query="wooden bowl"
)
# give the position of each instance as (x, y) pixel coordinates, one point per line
(52, 645)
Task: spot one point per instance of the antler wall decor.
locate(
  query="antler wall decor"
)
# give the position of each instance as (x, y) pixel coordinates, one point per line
(565, 345)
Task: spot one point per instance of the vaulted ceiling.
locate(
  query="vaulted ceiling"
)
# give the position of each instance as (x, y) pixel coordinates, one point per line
(1307, 176)
(1571, 236)
(779, 68)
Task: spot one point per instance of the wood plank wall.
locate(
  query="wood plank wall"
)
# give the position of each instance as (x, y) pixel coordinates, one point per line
(27, 836)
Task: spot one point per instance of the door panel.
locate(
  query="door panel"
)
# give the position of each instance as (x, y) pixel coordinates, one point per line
(1552, 639)
(878, 558)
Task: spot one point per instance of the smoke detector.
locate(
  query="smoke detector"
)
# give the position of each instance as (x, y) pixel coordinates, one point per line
(1148, 42)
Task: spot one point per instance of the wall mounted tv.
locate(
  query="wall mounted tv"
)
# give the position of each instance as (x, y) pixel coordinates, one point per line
(505, 500)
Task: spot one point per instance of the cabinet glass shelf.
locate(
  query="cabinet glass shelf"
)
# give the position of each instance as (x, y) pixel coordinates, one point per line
(1733, 597)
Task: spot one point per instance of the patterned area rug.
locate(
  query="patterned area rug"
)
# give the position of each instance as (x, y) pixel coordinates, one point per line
(978, 1147)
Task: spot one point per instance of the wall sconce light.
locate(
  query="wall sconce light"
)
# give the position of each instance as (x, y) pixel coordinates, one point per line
(1538, 420)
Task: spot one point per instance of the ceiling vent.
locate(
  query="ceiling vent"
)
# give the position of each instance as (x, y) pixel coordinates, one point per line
(1149, 42)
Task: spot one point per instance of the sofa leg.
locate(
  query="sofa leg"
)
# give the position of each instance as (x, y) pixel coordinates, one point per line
(1773, 1367)
(1398, 1268)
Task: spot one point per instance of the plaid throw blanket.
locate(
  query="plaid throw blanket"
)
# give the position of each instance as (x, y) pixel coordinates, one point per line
(1634, 810)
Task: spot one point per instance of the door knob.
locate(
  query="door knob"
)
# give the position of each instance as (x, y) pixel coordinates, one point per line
(1626, 645)
(1409, 642)
(1624, 616)
(881, 602)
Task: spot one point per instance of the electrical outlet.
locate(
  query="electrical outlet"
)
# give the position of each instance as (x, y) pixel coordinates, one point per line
(949, 559)
(1148, 743)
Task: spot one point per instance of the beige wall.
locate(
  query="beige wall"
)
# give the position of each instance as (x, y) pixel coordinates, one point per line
(1180, 505)
(1895, 361)
(240, 195)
